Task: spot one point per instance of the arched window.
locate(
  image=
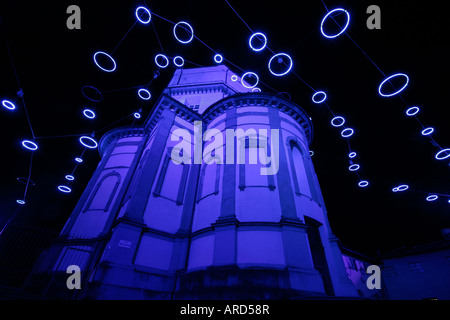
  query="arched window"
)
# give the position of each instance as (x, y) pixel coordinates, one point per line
(301, 178)
(104, 192)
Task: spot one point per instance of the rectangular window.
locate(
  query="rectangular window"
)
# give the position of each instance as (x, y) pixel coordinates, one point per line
(389, 272)
(416, 267)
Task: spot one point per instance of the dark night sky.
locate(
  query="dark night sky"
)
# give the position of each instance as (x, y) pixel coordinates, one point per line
(53, 63)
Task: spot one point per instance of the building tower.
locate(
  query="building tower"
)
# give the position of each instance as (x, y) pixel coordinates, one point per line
(210, 229)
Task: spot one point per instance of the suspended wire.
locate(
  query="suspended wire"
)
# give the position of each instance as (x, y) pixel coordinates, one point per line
(29, 176)
(239, 16)
(123, 37)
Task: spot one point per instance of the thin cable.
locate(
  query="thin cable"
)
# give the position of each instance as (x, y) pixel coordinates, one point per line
(28, 118)
(124, 37)
(239, 16)
(114, 122)
(9, 52)
(29, 177)
(62, 136)
(156, 33)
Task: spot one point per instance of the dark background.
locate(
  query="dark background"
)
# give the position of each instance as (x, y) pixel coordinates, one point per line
(53, 63)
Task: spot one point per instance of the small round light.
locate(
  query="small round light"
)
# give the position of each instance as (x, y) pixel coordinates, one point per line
(352, 154)
(30, 145)
(137, 115)
(427, 131)
(190, 28)
(396, 92)
(432, 197)
(234, 77)
(280, 60)
(354, 167)
(337, 121)
(92, 143)
(400, 188)
(249, 74)
(178, 61)
(70, 177)
(64, 189)
(110, 58)
(347, 132)
(363, 183)
(218, 58)
(439, 157)
(258, 36)
(79, 160)
(412, 111)
(311, 153)
(319, 93)
(342, 30)
(21, 202)
(88, 113)
(8, 104)
(146, 11)
(144, 94)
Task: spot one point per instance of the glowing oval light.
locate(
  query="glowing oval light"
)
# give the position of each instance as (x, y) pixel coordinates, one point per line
(70, 177)
(89, 98)
(179, 64)
(412, 111)
(30, 145)
(400, 188)
(88, 113)
(363, 183)
(144, 94)
(161, 65)
(256, 90)
(234, 77)
(432, 197)
(347, 132)
(319, 93)
(311, 153)
(427, 131)
(146, 11)
(352, 154)
(354, 167)
(8, 104)
(26, 181)
(218, 58)
(93, 144)
(396, 92)
(340, 122)
(79, 160)
(280, 60)
(21, 202)
(342, 30)
(175, 33)
(64, 189)
(258, 35)
(137, 115)
(107, 55)
(249, 74)
(438, 157)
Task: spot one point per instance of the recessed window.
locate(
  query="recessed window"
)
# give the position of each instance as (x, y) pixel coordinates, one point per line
(416, 267)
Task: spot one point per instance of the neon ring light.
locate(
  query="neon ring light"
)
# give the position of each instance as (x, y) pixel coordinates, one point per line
(93, 144)
(352, 154)
(79, 160)
(342, 30)
(432, 197)
(259, 35)
(234, 77)
(338, 124)
(249, 74)
(363, 183)
(256, 90)
(427, 131)
(180, 64)
(347, 132)
(311, 153)
(64, 189)
(396, 92)
(218, 58)
(319, 93)
(164, 57)
(8, 104)
(21, 202)
(107, 55)
(175, 33)
(137, 115)
(70, 177)
(354, 167)
(30, 145)
(438, 155)
(412, 111)
(89, 98)
(144, 94)
(400, 188)
(88, 113)
(147, 11)
(280, 60)
(25, 181)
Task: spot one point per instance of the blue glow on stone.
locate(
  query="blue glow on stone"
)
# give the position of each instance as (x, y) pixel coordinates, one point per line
(30, 145)
(412, 111)
(338, 124)
(144, 94)
(147, 11)
(64, 189)
(347, 132)
(179, 64)
(427, 131)
(79, 160)
(432, 197)
(363, 183)
(21, 202)
(175, 33)
(400, 188)
(280, 60)
(105, 54)
(396, 92)
(164, 57)
(218, 58)
(319, 93)
(438, 155)
(354, 167)
(8, 104)
(342, 30)
(88, 113)
(93, 144)
(352, 154)
(247, 74)
(258, 35)
(70, 177)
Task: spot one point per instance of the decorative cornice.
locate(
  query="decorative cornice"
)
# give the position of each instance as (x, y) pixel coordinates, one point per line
(117, 133)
